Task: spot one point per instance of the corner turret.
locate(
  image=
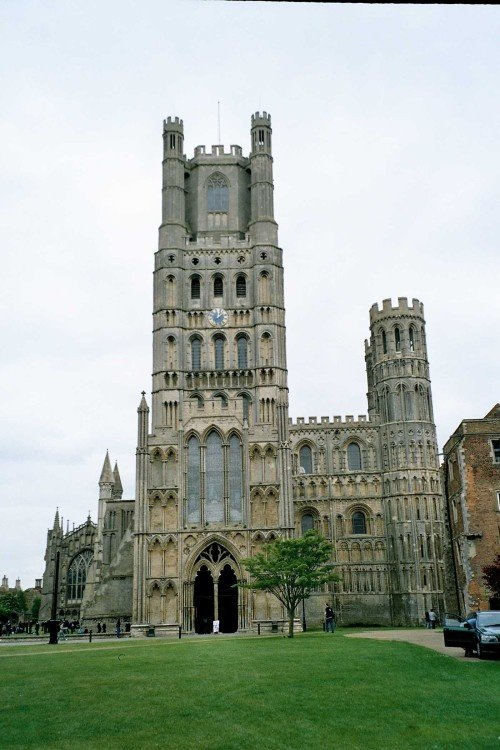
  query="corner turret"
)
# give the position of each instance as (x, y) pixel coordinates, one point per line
(263, 228)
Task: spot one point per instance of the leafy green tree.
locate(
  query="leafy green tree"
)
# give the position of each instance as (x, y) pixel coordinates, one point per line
(291, 569)
(491, 574)
(12, 605)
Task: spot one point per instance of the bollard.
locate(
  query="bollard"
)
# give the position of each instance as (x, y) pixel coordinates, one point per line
(180, 632)
(90, 636)
(258, 628)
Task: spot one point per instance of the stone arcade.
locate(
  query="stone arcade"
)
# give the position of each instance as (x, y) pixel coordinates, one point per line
(221, 469)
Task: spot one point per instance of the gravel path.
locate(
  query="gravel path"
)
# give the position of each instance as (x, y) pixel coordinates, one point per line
(429, 638)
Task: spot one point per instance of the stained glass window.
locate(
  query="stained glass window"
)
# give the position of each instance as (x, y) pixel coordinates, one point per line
(358, 523)
(77, 575)
(354, 457)
(242, 353)
(217, 193)
(193, 480)
(214, 479)
(305, 459)
(235, 479)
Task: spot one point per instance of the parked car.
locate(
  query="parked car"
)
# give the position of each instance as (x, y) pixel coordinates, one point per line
(479, 632)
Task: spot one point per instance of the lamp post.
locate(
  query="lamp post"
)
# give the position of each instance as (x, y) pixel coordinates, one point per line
(304, 625)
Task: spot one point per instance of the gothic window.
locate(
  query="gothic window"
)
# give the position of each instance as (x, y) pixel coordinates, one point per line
(411, 336)
(217, 193)
(193, 480)
(358, 523)
(214, 478)
(235, 477)
(195, 287)
(354, 457)
(242, 345)
(305, 459)
(219, 343)
(397, 339)
(384, 342)
(241, 286)
(77, 575)
(218, 286)
(223, 478)
(222, 399)
(245, 400)
(196, 354)
(307, 522)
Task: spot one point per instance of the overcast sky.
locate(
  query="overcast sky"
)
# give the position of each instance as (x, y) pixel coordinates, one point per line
(385, 122)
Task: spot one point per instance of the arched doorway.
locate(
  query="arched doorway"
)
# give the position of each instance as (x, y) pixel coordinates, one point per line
(215, 595)
(204, 600)
(228, 601)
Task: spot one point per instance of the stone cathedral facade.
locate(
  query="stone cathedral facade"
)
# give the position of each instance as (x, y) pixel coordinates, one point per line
(221, 468)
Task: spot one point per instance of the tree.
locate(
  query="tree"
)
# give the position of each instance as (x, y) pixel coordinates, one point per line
(12, 605)
(491, 574)
(291, 569)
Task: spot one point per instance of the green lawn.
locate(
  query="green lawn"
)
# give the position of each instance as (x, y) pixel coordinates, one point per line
(312, 691)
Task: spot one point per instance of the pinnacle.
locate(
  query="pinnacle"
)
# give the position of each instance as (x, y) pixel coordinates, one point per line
(106, 473)
(143, 406)
(118, 487)
(57, 524)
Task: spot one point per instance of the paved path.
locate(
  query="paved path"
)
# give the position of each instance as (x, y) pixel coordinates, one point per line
(429, 638)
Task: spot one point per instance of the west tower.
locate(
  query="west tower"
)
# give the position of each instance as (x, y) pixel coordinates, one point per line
(213, 467)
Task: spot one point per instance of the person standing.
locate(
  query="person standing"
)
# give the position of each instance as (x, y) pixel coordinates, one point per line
(432, 619)
(329, 619)
(427, 621)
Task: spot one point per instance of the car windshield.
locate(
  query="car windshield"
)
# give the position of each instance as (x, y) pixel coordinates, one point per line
(488, 619)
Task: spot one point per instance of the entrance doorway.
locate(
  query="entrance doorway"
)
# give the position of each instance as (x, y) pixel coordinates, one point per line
(228, 601)
(204, 601)
(215, 593)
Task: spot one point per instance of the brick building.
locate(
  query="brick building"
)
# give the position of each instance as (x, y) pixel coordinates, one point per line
(472, 487)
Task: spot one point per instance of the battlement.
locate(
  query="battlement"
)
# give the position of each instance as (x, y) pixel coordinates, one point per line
(218, 241)
(402, 308)
(173, 123)
(313, 421)
(261, 119)
(218, 150)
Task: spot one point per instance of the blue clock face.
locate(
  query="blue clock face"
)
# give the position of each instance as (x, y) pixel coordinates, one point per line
(218, 317)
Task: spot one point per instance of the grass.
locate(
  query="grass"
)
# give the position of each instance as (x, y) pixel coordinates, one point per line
(209, 693)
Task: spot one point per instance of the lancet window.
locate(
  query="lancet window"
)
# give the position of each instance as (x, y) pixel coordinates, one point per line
(214, 492)
(354, 457)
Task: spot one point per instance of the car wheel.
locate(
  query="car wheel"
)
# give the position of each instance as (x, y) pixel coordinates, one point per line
(480, 652)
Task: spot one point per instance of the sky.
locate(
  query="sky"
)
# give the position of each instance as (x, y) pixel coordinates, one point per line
(386, 166)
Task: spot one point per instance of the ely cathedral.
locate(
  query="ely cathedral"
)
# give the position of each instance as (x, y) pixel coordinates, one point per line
(221, 468)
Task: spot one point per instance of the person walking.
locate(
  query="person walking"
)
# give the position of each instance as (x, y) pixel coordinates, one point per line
(432, 619)
(427, 621)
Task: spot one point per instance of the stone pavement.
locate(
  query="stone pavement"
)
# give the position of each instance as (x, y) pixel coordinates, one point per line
(429, 638)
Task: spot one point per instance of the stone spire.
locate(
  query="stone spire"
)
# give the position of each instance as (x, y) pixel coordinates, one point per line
(106, 473)
(118, 487)
(57, 524)
(143, 419)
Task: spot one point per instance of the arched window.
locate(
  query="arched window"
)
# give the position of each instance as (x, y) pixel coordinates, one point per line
(77, 575)
(307, 522)
(245, 401)
(195, 287)
(241, 286)
(411, 336)
(235, 479)
(219, 343)
(214, 478)
(397, 339)
(384, 342)
(305, 459)
(354, 457)
(266, 349)
(196, 354)
(199, 400)
(242, 345)
(193, 480)
(358, 523)
(217, 193)
(218, 286)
